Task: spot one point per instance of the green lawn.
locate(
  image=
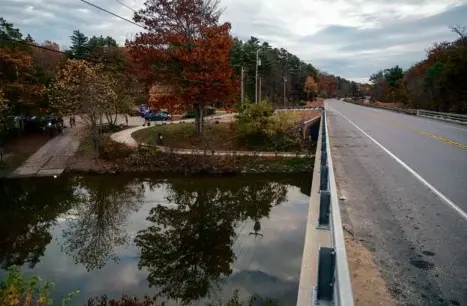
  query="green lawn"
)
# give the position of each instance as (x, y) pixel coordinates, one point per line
(215, 136)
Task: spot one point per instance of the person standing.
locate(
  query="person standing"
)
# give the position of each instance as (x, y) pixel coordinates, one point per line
(2, 150)
(160, 139)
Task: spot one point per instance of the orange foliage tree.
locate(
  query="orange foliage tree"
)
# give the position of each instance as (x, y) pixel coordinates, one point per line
(328, 84)
(18, 84)
(311, 87)
(186, 54)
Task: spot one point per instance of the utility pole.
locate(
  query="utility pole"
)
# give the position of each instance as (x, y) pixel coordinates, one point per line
(259, 90)
(243, 90)
(258, 63)
(285, 81)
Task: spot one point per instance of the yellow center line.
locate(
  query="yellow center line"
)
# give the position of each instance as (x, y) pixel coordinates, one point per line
(410, 128)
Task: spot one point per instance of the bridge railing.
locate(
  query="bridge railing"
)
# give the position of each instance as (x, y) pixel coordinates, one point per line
(288, 108)
(333, 282)
(456, 118)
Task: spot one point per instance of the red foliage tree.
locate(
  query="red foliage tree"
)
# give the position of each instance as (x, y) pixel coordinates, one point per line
(186, 54)
(328, 84)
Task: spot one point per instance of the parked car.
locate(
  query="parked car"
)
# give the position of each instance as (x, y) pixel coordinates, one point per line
(167, 114)
(161, 116)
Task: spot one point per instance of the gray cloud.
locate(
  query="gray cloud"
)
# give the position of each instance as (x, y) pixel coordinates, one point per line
(351, 38)
(362, 51)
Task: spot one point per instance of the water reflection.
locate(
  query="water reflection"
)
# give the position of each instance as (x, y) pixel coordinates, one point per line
(27, 212)
(188, 248)
(96, 226)
(194, 237)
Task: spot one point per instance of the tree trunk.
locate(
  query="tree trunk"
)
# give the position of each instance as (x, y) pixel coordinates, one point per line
(198, 118)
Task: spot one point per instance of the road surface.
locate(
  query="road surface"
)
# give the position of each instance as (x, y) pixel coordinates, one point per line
(405, 183)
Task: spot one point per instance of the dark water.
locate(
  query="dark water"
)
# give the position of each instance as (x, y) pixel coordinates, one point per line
(190, 240)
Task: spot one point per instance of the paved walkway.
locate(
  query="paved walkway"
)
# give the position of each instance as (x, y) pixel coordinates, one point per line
(51, 158)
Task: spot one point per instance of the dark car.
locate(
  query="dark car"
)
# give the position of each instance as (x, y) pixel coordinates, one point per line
(162, 116)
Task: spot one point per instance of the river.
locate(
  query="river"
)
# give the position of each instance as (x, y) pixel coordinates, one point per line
(189, 240)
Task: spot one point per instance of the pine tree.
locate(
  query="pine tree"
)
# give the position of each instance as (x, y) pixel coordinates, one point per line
(79, 46)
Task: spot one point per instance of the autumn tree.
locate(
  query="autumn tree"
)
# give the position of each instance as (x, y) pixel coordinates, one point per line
(328, 84)
(186, 51)
(311, 87)
(47, 60)
(18, 83)
(82, 88)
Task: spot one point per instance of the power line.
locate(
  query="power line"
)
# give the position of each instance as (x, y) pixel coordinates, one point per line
(113, 14)
(22, 42)
(126, 6)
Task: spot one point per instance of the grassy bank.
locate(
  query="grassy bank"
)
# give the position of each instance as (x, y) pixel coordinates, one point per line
(215, 136)
(119, 158)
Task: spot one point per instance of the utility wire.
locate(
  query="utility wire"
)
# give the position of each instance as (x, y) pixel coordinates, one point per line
(22, 42)
(113, 14)
(128, 7)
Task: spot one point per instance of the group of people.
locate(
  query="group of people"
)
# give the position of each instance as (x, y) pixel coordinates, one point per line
(72, 121)
(54, 126)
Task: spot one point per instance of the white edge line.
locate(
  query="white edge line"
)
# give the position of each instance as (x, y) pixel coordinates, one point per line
(418, 176)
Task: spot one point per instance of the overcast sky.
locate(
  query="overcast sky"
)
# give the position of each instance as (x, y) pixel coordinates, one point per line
(350, 38)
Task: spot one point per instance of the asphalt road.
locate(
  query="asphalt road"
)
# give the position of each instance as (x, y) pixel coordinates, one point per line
(405, 183)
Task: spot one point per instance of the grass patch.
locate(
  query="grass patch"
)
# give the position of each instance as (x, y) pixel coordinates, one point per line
(183, 136)
(220, 136)
(86, 148)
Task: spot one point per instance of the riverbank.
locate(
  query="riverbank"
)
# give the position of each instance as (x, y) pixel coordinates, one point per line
(150, 160)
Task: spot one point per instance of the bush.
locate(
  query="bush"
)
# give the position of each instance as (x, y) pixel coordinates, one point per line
(113, 151)
(262, 130)
(15, 290)
(110, 128)
(208, 111)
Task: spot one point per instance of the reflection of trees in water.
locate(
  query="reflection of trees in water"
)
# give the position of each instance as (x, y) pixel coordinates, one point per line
(187, 249)
(96, 226)
(27, 212)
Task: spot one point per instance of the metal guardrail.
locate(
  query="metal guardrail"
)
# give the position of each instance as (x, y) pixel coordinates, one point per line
(392, 109)
(456, 118)
(288, 108)
(333, 284)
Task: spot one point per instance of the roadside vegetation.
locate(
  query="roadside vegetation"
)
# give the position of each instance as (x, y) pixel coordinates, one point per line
(435, 83)
(17, 290)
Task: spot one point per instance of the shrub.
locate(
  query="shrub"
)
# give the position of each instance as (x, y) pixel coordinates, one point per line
(113, 151)
(208, 111)
(15, 290)
(261, 129)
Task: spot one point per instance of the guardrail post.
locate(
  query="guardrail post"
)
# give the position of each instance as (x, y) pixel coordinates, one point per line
(324, 178)
(326, 268)
(324, 209)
